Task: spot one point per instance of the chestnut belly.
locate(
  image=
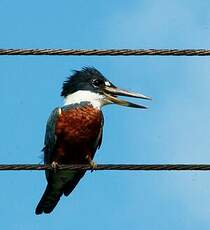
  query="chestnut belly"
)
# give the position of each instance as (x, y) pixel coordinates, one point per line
(77, 132)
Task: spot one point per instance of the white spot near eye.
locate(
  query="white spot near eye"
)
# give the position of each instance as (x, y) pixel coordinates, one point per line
(107, 83)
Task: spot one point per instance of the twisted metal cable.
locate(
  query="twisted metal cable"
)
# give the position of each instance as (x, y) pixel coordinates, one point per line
(108, 52)
(142, 167)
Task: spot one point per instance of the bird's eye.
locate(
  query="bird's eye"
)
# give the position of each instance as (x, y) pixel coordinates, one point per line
(97, 82)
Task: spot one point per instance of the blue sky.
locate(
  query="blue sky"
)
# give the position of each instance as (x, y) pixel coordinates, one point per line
(175, 129)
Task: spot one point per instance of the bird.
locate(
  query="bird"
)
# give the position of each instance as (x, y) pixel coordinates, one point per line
(74, 131)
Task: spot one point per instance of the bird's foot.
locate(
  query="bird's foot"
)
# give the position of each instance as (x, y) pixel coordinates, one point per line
(92, 163)
(54, 166)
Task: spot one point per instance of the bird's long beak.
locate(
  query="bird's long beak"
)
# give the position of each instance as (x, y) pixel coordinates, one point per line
(111, 92)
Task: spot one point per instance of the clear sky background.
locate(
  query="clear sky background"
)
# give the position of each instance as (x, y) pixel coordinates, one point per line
(175, 129)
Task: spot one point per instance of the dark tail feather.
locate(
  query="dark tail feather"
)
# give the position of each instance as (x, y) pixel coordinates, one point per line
(69, 187)
(48, 201)
(59, 183)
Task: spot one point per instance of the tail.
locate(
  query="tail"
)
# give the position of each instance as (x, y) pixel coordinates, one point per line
(49, 200)
(61, 182)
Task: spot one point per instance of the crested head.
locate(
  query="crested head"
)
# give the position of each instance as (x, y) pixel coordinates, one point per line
(90, 86)
(85, 86)
(89, 78)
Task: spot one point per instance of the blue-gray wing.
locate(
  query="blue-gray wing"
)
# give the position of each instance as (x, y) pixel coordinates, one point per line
(50, 136)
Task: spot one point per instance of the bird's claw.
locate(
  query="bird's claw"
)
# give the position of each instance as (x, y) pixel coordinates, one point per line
(93, 165)
(54, 166)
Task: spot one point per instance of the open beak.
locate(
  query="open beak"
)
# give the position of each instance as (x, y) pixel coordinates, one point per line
(111, 92)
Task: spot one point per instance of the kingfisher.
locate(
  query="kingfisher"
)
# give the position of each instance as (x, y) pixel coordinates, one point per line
(74, 131)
